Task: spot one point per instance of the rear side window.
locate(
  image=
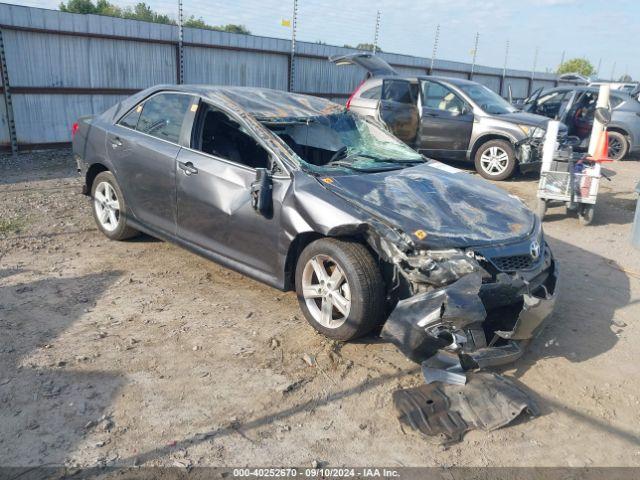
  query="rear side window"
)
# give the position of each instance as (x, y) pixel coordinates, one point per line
(130, 120)
(397, 91)
(614, 100)
(373, 93)
(162, 116)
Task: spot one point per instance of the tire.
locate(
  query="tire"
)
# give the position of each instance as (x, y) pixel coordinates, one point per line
(541, 208)
(106, 195)
(495, 160)
(618, 146)
(364, 289)
(586, 213)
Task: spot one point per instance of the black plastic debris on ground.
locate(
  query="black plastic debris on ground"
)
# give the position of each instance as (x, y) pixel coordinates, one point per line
(445, 412)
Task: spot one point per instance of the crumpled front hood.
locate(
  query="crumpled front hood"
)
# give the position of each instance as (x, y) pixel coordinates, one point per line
(453, 209)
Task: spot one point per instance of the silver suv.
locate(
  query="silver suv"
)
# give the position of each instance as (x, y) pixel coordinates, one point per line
(449, 118)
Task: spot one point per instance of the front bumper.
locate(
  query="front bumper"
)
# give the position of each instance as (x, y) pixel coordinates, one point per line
(464, 317)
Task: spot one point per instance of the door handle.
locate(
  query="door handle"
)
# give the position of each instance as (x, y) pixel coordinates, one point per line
(116, 142)
(187, 168)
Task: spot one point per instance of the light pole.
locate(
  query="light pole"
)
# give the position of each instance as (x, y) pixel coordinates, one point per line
(475, 53)
(292, 58)
(435, 49)
(377, 32)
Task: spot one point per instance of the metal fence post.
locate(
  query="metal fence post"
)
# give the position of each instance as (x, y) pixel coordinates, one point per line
(377, 32)
(475, 52)
(8, 103)
(504, 69)
(180, 45)
(292, 58)
(435, 49)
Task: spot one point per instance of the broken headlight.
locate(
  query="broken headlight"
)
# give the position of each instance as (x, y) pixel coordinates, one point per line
(532, 131)
(441, 267)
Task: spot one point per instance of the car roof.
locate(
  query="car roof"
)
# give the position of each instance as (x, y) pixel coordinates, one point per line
(261, 103)
(450, 80)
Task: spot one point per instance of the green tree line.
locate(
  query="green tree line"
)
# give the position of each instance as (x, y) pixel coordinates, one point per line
(142, 11)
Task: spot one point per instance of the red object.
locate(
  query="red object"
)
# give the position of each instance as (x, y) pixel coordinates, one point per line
(354, 94)
(601, 151)
(74, 129)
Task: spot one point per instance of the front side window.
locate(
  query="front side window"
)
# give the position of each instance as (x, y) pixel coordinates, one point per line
(218, 134)
(438, 97)
(162, 115)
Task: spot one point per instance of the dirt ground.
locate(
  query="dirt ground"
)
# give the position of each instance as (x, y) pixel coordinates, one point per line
(138, 352)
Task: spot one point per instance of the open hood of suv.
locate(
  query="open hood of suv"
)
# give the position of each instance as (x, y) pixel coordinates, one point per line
(453, 209)
(375, 65)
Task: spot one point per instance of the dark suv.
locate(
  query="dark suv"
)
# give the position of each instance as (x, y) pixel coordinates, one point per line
(449, 118)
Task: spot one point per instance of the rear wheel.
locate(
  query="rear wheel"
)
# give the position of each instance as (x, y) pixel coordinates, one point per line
(109, 208)
(340, 288)
(495, 160)
(618, 146)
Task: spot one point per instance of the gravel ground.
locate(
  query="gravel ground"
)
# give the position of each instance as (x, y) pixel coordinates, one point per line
(138, 352)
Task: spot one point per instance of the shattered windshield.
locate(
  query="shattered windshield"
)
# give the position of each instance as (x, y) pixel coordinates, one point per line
(344, 141)
(487, 99)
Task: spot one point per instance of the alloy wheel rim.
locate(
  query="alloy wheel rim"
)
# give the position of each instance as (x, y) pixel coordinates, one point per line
(615, 147)
(494, 160)
(326, 291)
(107, 206)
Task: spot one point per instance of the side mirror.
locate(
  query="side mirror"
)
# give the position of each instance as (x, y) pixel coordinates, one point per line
(603, 115)
(261, 192)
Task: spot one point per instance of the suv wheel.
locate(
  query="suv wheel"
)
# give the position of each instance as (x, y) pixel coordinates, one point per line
(109, 208)
(340, 288)
(495, 160)
(618, 146)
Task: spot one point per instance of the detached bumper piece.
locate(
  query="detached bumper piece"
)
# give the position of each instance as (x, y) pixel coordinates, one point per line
(444, 413)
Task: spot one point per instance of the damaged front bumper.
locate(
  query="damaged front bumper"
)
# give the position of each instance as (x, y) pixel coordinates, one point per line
(487, 323)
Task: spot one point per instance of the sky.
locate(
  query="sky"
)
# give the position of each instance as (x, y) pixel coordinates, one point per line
(605, 32)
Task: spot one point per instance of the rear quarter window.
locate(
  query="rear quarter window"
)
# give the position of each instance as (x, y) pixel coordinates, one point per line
(373, 93)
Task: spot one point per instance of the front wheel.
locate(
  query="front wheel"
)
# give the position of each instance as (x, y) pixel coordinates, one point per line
(340, 288)
(495, 160)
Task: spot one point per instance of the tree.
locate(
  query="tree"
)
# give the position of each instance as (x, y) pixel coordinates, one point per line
(233, 28)
(626, 78)
(577, 65)
(142, 11)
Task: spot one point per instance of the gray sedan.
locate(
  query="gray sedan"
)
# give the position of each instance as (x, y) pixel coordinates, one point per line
(301, 194)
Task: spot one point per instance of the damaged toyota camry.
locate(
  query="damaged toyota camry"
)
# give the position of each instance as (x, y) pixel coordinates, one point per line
(299, 193)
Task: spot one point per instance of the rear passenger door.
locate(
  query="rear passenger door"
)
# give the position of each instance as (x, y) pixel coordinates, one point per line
(398, 109)
(143, 146)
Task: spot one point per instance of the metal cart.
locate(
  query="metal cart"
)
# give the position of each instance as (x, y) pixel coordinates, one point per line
(572, 180)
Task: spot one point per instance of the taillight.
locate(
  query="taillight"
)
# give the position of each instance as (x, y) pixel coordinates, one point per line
(74, 129)
(354, 94)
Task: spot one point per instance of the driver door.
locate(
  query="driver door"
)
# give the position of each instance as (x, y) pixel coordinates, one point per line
(213, 180)
(398, 109)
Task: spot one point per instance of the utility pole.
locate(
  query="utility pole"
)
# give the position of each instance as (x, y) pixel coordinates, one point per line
(504, 69)
(377, 32)
(292, 58)
(598, 70)
(180, 45)
(535, 64)
(435, 49)
(562, 58)
(475, 53)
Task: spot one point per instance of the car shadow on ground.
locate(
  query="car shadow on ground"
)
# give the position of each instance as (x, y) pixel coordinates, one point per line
(49, 404)
(583, 325)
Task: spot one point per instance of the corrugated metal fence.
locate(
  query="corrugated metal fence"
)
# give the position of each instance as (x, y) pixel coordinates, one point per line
(61, 66)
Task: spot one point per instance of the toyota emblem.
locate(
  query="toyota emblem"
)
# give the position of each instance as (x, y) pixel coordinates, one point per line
(534, 249)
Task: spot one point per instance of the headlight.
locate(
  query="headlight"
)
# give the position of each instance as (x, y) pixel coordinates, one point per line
(532, 131)
(441, 267)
